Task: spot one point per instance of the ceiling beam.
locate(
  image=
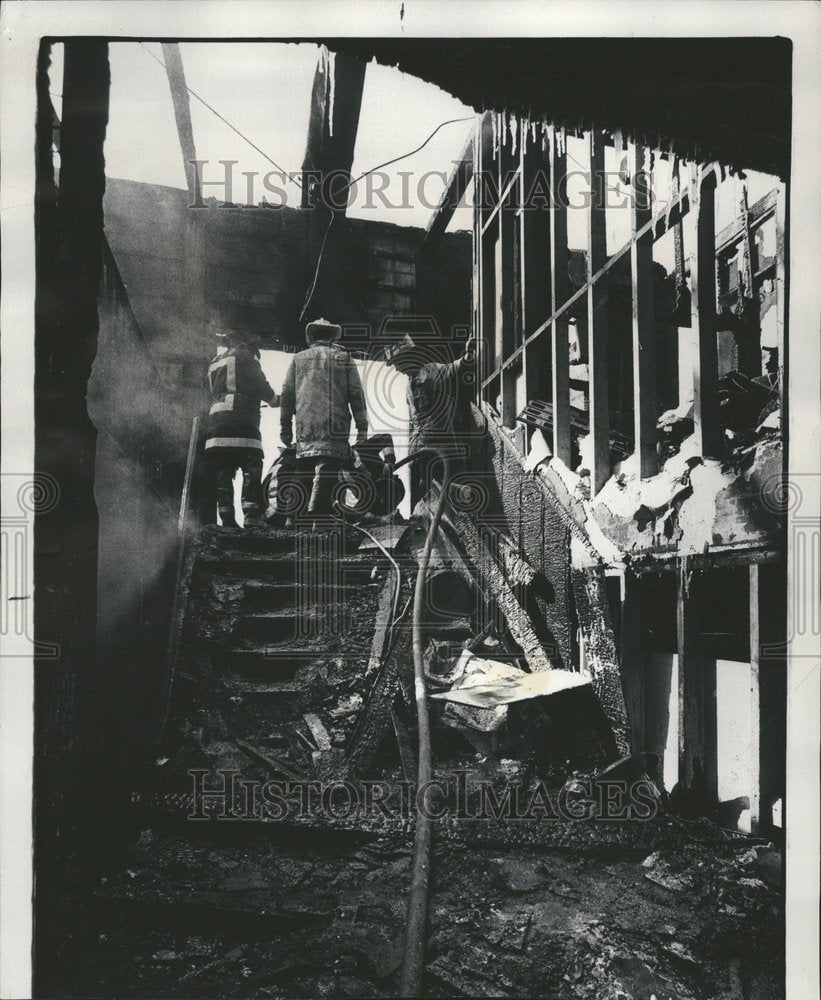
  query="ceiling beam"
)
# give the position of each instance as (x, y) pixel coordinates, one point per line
(182, 112)
(336, 100)
(460, 177)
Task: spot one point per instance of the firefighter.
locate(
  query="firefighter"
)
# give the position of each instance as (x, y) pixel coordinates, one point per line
(437, 394)
(322, 391)
(233, 440)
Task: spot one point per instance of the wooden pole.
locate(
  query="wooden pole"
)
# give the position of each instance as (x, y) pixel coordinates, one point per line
(182, 114)
(559, 289)
(755, 700)
(703, 294)
(597, 319)
(644, 334)
(697, 710)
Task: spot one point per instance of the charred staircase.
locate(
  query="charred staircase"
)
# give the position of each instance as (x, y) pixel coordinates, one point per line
(286, 667)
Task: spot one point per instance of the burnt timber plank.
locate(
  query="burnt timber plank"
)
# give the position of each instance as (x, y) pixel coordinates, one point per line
(631, 658)
(506, 279)
(536, 279)
(755, 699)
(597, 318)
(782, 251)
(332, 128)
(375, 720)
(592, 608)
(703, 295)
(559, 288)
(696, 682)
(182, 113)
(458, 181)
(644, 351)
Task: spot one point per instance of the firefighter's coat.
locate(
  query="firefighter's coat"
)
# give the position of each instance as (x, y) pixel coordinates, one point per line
(238, 386)
(322, 391)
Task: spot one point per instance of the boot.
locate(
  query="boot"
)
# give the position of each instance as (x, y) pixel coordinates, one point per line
(252, 515)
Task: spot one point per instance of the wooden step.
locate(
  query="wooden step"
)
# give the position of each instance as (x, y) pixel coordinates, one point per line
(306, 572)
(263, 662)
(262, 596)
(296, 626)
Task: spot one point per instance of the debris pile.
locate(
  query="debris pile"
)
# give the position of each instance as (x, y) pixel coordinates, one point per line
(324, 918)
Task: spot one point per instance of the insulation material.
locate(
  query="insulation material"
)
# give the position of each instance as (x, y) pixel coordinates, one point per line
(492, 685)
(696, 519)
(540, 450)
(468, 700)
(690, 503)
(600, 650)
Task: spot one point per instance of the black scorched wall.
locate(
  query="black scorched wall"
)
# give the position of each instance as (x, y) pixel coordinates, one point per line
(519, 510)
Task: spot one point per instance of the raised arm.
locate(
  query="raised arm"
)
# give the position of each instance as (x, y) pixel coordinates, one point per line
(261, 385)
(468, 358)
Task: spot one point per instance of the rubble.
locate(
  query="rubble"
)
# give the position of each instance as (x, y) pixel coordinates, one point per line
(328, 918)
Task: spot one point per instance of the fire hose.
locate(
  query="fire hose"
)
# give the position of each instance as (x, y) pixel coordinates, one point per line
(413, 950)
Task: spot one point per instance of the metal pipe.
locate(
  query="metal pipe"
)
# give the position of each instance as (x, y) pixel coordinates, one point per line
(413, 951)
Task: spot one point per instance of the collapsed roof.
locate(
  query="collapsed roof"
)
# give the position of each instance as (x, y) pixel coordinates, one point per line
(725, 99)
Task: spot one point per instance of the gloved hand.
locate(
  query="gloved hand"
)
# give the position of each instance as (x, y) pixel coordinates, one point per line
(362, 436)
(286, 435)
(470, 350)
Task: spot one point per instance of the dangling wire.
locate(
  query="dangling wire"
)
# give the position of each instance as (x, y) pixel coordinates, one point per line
(222, 118)
(294, 178)
(349, 185)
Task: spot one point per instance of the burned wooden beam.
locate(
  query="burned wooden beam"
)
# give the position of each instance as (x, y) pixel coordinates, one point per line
(272, 762)
(317, 730)
(519, 624)
(536, 278)
(506, 272)
(460, 177)
(404, 741)
(755, 698)
(659, 225)
(559, 288)
(182, 114)
(696, 704)
(703, 295)
(73, 702)
(644, 332)
(782, 257)
(336, 101)
(597, 318)
(384, 665)
(596, 628)
(631, 658)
